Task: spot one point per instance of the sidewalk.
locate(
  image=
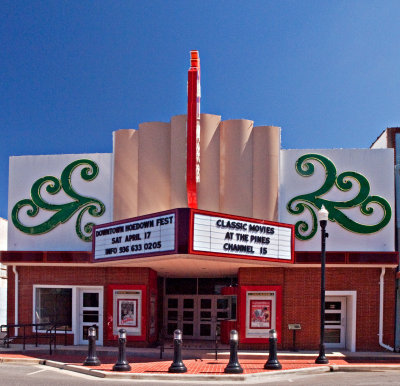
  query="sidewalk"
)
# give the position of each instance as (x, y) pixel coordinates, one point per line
(146, 364)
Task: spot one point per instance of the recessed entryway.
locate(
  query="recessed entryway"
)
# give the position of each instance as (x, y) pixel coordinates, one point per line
(340, 320)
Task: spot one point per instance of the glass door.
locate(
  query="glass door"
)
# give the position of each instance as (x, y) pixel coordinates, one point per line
(171, 313)
(197, 316)
(90, 314)
(180, 314)
(206, 318)
(335, 322)
(211, 310)
(188, 306)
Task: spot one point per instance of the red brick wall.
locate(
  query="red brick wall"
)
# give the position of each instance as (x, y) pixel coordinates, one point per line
(300, 289)
(301, 301)
(79, 276)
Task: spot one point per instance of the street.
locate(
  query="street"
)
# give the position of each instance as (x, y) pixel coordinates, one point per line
(16, 375)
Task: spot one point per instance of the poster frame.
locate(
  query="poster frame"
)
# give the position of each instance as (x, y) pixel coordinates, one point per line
(142, 312)
(243, 312)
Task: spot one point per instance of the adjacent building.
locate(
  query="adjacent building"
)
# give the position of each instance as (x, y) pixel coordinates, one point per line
(390, 138)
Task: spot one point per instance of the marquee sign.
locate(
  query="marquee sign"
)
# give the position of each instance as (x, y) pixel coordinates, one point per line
(139, 237)
(232, 236)
(189, 231)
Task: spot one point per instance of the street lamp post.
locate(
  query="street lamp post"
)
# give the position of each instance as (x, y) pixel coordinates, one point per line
(323, 220)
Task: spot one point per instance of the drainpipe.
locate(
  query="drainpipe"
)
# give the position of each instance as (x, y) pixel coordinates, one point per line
(381, 291)
(15, 298)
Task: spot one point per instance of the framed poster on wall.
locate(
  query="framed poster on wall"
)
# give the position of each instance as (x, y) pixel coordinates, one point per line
(127, 305)
(127, 312)
(260, 311)
(260, 314)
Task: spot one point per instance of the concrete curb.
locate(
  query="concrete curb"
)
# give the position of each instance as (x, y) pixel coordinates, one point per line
(184, 377)
(371, 367)
(75, 368)
(27, 361)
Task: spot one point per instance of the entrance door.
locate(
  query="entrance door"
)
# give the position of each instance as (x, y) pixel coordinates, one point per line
(187, 312)
(197, 316)
(180, 314)
(90, 314)
(206, 316)
(171, 314)
(335, 322)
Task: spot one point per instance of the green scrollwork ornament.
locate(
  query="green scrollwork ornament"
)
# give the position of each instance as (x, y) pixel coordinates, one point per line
(63, 212)
(312, 202)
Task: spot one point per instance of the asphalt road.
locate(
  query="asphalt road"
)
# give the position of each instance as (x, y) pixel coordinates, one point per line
(38, 375)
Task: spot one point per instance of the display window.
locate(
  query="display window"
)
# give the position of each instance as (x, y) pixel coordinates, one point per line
(260, 311)
(53, 305)
(73, 308)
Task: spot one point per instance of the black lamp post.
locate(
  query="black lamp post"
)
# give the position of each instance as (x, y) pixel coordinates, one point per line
(323, 220)
(233, 366)
(91, 359)
(122, 364)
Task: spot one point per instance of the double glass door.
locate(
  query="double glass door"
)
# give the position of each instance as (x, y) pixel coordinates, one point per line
(197, 316)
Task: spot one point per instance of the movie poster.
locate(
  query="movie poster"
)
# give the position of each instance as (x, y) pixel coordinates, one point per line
(260, 314)
(127, 313)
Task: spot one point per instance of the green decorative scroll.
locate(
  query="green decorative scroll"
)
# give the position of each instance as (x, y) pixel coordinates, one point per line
(312, 202)
(63, 212)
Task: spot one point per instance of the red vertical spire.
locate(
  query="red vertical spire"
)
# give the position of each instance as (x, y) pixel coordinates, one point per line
(193, 130)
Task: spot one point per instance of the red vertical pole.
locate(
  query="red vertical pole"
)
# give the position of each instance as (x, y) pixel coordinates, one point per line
(193, 130)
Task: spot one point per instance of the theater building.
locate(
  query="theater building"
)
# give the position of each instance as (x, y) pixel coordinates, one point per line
(161, 235)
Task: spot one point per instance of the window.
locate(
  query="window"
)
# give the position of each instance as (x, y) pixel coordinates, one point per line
(53, 305)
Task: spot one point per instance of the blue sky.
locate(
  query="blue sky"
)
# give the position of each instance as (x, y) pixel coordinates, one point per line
(72, 72)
